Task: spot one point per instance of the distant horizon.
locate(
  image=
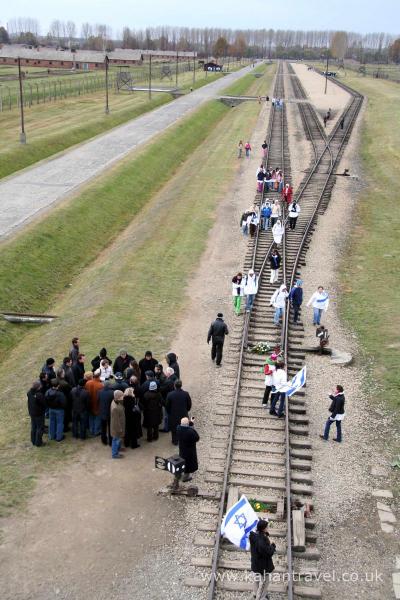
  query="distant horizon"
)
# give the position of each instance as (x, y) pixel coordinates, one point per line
(292, 15)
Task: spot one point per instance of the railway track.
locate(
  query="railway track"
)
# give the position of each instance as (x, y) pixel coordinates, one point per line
(252, 452)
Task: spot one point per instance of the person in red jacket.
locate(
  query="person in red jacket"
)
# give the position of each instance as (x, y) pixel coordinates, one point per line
(287, 193)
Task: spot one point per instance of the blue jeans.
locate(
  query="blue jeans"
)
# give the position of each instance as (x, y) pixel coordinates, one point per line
(278, 315)
(56, 424)
(250, 301)
(245, 229)
(317, 315)
(338, 429)
(95, 424)
(115, 447)
(274, 399)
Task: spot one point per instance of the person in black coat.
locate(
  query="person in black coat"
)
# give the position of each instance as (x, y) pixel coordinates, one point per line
(48, 368)
(152, 411)
(80, 410)
(167, 386)
(66, 366)
(56, 403)
(78, 368)
(296, 299)
(97, 359)
(172, 361)
(122, 361)
(133, 419)
(337, 414)
(149, 377)
(106, 396)
(178, 404)
(188, 438)
(217, 332)
(37, 410)
(148, 363)
(262, 552)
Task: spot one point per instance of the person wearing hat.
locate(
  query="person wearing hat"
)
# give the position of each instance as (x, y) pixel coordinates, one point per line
(293, 212)
(187, 439)
(97, 359)
(278, 301)
(117, 424)
(148, 363)
(152, 411)
(262, 552)
(250, 289)
(217, 332)
(296, 299)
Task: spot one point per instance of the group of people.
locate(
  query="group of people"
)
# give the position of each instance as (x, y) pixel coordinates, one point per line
(112, 400)
(246, 147)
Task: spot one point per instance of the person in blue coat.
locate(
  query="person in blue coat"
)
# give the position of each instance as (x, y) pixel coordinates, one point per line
(296, 299)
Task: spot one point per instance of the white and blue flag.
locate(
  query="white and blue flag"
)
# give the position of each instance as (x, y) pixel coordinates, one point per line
(238, 522)
(297, 382)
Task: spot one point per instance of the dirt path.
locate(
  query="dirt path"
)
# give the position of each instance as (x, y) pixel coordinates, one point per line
(98, 528)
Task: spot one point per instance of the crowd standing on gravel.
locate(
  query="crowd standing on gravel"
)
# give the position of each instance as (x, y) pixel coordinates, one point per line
(113, 401)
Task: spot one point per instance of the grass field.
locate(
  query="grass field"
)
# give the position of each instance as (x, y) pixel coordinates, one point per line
(135, 289)
(371, 296)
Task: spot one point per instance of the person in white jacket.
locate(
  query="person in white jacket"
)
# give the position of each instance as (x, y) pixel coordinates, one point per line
(278, 301)
(250, 289)
(294, 211)
(320, 302)
(277, 231)
(279, 381)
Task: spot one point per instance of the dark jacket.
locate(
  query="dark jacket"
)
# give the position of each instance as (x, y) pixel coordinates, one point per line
(146, 365)
(105, 396)
(145, 387)
(36, 403)
(80, 400)
(73, 354)
(167, 386)
(120, 364)
(55, 399)
(134, 370)
(97, 360)
(152, 411)
(50, 372)
(337, 405)
(178, 404)
(133, 417)
(78, 369)
(69, 375)
(188, 437)
(65, 388)
(173, 363)
(218, 330)
(275, 261)
(262, 552)
(296, 295)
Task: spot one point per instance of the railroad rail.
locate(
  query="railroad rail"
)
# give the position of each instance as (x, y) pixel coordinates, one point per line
(253, 452)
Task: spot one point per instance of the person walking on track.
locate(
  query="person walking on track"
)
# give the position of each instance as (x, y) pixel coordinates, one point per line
(320, 302)
(275, 263)
(294, 211)
(278, 301)
(217, 332)
(250, 289)
(237, 291)
(296, 299)
(262, 552)
(337, 414)
(240, 149)
(247, 149)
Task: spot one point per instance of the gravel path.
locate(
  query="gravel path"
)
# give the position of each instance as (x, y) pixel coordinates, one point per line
(36, 189)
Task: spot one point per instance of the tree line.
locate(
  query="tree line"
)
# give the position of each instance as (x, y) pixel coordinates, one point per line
(280, 43)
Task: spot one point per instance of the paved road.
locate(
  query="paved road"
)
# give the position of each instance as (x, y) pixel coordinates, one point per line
(25, 195)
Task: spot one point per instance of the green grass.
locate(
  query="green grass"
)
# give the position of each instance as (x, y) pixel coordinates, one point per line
(134, 291)
(38, 264)
(250, 84)
(59, 126)
(371, 295)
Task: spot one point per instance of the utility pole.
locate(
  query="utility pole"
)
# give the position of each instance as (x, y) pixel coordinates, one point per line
(22, 137)
(150, 77)
(326, 70)
(176, 70)
(194, 67)
(106, 60)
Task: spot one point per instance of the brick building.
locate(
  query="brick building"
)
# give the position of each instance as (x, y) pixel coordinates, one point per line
(85, 60)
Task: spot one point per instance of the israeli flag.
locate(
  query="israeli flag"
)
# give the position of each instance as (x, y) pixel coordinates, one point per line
(297, 382)
(238, 522)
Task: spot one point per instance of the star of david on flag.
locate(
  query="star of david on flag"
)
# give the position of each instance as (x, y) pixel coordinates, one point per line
(238, 522)
(297, 382)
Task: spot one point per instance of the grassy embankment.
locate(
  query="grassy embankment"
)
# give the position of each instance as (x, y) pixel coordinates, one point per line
(371, 295)
(133, 292)
(54, 127)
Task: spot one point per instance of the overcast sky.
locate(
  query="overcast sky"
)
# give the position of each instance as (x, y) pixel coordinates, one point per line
(352, 15)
